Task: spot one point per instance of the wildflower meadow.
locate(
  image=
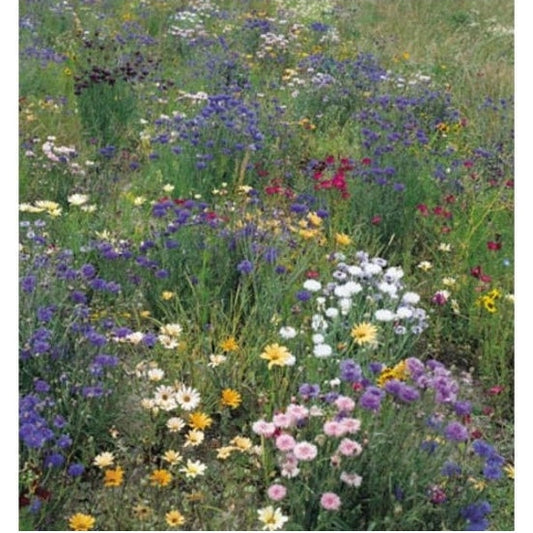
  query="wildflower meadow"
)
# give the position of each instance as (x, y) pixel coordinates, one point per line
(266, 265)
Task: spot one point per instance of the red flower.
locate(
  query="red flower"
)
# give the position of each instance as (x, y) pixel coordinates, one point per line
(476, 271)
(376, 219)
(450, 199)
(423, 209)
(476, 434)
(366, 161)
(493, 245)
(312, 274)
(497, 389)
(485, 278)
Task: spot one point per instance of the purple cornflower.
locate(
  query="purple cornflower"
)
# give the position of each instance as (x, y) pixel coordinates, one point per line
(75, 469)
(462, 408)
(371, 398)
(407, 393)
(29, 283)
(308, 391)
(45, 314)
(64, 441)
(475, 515)
(350, 371)
(483, 449)
(54, 460)
(451, 469)
(88, 271)
(245, 266)
(456, 432)
(303, 295)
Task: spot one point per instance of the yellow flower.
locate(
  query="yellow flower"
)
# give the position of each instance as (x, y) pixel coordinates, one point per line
(104, 459)
(81, 522)
(231, 398)
(167, 295)
(172, 457)
(364, 333)
(142, 512)
(199, 420)
(425, 266)
(385, 375)
(193, 469)
(194, 438)
(509, 470)
(242, 443)
(314, 219)
(160, 477)
(225, 451)
(342, 239)
(277, 355)
(229, 345)
(174, 518)
(477, 484)
(114, 477)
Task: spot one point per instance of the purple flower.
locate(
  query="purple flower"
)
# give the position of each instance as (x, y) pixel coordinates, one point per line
(64, 441)
(88, 271)
(28, 283)
(482, 448)
(475, 515)
(350, 371)
(451, 469)
(41, 385)
(309, 391)
(456, 432)
(371, 398)
(303, 295)
(462, 408)
(45, 314)
(75, 469)
(408, 394)
(54, 460)
(245, 266)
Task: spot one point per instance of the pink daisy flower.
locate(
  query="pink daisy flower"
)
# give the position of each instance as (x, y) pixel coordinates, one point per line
(264, 428)
(350, 447)
(332, 428)
(276, 492)
(282, 420)
(330, 501)
(344, 403)
(285, 442)
(351, 425)
(305, 451)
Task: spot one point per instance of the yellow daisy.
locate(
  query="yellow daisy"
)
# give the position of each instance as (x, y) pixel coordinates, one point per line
(160, 477)
(81, 522)
(231, 398)
(174, 518)
(364, 333)
(113, 477)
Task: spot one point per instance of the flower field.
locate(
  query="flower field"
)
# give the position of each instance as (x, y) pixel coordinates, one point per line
(266, 265)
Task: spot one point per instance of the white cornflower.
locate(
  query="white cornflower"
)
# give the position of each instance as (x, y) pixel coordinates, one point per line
(78, 199)
(287, 332)
(322, 350)
(332, 312)
(312, 285)
(384, 315)
(410, 298)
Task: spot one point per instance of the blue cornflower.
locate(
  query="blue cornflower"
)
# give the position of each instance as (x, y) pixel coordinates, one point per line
(482, 448)
(45, 314)
(350, 371)
(475, 516)
(75, 469)
(371, 398)
(455, 431)
(29, 283)
(309, 391)
(64, 441)
(88, 271)
(462, 408)
(303, 295)
(54, 460)
(451, 469)
(245, 266)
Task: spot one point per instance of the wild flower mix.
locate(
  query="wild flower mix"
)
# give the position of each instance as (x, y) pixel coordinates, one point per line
(262, 251)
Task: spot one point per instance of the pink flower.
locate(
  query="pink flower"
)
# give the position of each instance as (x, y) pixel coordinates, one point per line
(344, 403)
(351, 425)
(353, 480)
(285, 442)
(305, 451)
(297, 412)
(350, 447)
(264, 428)
(330, 501)
(332, 428)
(282, 420)
(276, 492)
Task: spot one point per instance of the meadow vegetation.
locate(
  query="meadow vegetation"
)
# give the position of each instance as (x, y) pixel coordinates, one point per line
(266, 271)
